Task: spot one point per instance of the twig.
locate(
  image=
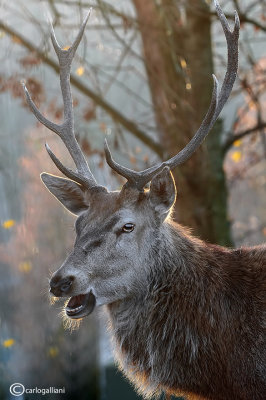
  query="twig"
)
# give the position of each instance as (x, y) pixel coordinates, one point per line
(233, 137)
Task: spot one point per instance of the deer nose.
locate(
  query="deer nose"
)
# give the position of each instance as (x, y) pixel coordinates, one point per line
(61, 286)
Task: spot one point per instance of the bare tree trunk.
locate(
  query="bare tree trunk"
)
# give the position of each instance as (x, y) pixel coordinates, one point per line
(178, 59)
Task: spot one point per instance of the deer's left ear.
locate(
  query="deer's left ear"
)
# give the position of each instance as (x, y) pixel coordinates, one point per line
(69, 193)
(163, 192)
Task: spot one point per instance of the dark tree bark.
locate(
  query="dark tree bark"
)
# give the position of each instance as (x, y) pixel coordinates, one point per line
(178, 60)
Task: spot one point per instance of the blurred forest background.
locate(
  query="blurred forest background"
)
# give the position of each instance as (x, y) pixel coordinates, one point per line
(142, 78)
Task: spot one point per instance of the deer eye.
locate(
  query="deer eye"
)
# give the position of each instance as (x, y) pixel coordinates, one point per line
(129, 227)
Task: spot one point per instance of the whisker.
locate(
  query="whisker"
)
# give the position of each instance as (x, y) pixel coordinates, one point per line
(68, 323)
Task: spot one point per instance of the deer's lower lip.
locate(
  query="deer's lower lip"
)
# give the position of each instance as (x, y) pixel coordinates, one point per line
(80, 306)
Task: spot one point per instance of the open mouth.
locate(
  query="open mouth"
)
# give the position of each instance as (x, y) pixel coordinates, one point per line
(80, 306)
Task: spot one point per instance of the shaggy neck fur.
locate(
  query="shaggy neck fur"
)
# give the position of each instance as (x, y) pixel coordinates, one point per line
(195, 327)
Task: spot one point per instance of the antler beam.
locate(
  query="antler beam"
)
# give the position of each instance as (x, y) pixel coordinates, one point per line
(66, 130)
(140, 179)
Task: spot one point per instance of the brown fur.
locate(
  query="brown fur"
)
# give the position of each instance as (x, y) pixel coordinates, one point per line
(199, 330)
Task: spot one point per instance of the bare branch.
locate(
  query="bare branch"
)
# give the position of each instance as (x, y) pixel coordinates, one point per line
(233, 137)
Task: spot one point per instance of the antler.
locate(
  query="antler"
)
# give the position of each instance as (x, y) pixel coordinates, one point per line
(66, 129)
(140, 179)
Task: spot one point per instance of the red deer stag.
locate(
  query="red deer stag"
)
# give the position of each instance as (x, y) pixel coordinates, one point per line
(187, 317)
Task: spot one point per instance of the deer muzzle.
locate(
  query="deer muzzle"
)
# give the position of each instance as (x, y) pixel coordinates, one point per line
(78, 306)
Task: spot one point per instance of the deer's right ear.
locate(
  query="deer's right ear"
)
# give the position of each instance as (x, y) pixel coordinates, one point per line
(69, 193)
(163, 192)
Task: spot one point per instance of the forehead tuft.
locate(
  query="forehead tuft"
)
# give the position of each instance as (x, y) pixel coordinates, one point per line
(132, 196)
(104, 204)
(100, 201)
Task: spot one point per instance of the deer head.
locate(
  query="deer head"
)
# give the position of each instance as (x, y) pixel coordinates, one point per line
(115, 229)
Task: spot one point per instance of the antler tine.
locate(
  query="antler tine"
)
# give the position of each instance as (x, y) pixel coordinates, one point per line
(134, 178)
(66, 129)
(65, 58)
(232, 57)
(67, 171)
(228, 82)
(49, 124)
(140, 179)
(72, 49)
